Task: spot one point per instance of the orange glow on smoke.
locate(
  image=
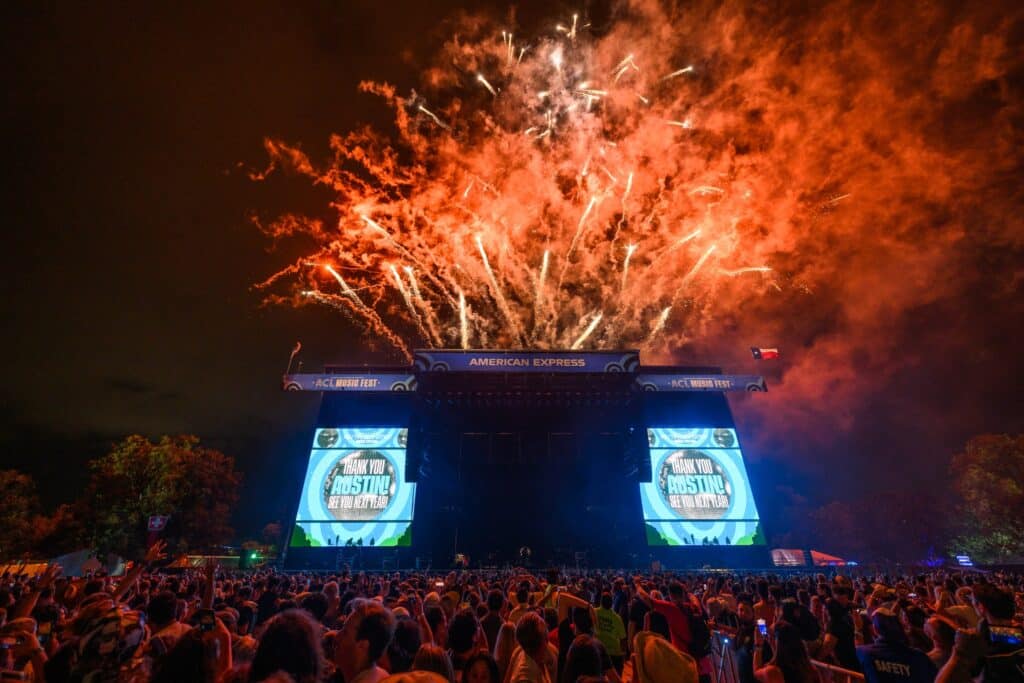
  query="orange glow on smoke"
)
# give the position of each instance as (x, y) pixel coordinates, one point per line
(681, 177)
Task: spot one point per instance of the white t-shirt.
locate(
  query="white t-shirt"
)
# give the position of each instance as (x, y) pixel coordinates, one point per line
(522, 669)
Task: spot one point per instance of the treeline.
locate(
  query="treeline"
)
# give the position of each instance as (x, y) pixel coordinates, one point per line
(978, 512)
(196, 487)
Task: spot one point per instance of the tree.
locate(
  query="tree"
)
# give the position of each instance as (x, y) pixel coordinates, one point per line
(19, 508)
(196, 486)
(62, 532)
(271, 534)
(988, 478)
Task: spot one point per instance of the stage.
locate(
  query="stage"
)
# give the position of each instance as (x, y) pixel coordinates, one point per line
(585, 458)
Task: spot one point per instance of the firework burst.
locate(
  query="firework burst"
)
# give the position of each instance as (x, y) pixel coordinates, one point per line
(556, 193)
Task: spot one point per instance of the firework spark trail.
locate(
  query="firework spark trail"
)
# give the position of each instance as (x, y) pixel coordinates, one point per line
(659, 325)
(580, 225)
(693, 271)
(349, 292)
(364, 316)
(435, 279)
(587, 332)
(463, 322)
(539, 296)
(402, 290)
(483, 81)
(417, 318)
(434, 117)
(679, 72)
(624, 215)
(499, 296)
(741, 271)
(684, 239)
(625, 265)
(424, 306)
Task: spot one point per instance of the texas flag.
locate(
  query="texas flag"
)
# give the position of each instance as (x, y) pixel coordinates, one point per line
(764, 354)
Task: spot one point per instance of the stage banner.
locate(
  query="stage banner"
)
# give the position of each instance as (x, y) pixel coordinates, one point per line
(701, 382)
(378, 381)
(700, 492)
(355, 492)
(527, 361)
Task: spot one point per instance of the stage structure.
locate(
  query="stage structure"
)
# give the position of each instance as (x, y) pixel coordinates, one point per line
(579, 457)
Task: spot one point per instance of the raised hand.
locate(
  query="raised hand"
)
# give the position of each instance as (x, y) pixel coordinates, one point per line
(48, 576)
(156, 551)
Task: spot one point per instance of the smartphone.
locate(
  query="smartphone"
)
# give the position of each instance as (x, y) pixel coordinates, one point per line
(439, 584)
(207, 620)
(7, 642)
(762, 626)
(912, 596)
(43, 632)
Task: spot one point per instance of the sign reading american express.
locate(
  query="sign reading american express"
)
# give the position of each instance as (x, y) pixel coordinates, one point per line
(526, 361)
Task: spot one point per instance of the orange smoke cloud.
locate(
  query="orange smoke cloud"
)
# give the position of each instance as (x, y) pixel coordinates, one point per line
(690, 181)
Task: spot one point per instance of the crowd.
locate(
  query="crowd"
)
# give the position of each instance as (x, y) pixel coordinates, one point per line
(507, 626)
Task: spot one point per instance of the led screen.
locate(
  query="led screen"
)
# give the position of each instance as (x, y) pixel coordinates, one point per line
(355, 493)
(700, 493)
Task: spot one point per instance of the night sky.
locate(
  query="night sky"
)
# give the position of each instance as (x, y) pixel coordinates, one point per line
(130, 256)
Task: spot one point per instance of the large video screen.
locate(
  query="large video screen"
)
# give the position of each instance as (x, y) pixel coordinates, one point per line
(355, 493)
(700, 493)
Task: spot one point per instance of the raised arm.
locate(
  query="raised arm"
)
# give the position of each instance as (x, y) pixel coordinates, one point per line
(155, 552)
(565, 602)
(27, 603)
(644, 596)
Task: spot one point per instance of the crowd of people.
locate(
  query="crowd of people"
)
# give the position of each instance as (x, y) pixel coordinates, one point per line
(512, 626)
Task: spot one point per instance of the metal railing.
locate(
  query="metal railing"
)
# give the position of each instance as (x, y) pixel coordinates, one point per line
(724, 668)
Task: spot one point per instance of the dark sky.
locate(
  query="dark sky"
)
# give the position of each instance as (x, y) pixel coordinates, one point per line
(129, 254)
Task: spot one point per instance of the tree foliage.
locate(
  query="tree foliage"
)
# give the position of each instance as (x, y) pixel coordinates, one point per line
(174, 476)
(988, 478)
(19, 507)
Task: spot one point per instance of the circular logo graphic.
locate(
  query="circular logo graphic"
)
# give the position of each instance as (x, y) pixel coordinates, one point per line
(695, 485)
(360, 486)
(723, 438)
(327, 438)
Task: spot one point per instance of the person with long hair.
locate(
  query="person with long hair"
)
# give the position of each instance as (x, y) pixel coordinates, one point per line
(790, 663)
(290, 643)
(504, 647)
(481, 668)
(583, 659)
(434, 658)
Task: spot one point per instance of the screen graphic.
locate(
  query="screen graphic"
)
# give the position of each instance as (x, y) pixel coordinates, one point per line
(355, 493)
(700, 493)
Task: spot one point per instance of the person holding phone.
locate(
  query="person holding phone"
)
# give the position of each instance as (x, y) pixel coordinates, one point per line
(790, 663)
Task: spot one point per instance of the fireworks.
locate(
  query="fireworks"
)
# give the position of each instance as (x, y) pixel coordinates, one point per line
(565, 162)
